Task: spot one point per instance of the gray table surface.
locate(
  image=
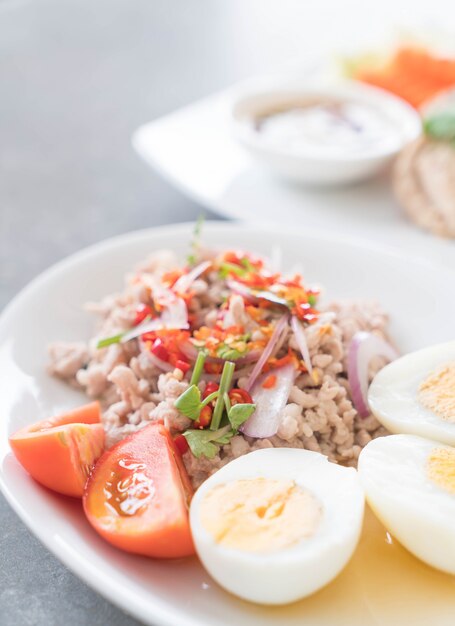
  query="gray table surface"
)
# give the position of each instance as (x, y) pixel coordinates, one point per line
(76, 78)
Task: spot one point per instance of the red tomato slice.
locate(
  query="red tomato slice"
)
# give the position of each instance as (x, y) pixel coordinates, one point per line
(60, 452)
(138, 494)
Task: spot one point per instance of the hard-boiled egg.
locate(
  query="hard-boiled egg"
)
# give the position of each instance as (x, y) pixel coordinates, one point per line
(275, 525)
(416, 394)
(410, 485)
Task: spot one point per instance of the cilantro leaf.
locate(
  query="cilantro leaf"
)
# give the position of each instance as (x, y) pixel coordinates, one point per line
(189, 403)
(227, 268)
(239, 413)
(195, 242)
(108, 341)
(206, 442)
(246, 263)
(229, 354)
(441, 126)
(199, 445)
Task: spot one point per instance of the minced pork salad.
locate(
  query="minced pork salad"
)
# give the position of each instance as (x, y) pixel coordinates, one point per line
(231, 356)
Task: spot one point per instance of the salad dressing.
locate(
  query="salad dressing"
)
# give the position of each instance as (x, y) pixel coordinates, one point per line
(334, 127)
(383, 584)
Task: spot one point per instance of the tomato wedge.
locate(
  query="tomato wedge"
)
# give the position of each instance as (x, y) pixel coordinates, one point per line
(138, 494)
(60, 452)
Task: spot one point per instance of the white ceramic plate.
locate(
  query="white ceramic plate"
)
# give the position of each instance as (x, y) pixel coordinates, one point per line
(381, 581)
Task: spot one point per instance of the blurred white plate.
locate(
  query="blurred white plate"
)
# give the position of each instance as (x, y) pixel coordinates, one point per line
(194, 149)
(382, 585)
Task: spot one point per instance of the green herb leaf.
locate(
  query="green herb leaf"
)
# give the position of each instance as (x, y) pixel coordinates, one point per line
(108, 341)
(441, 126)
(198, 368)
(230, 268)
(195, 243)
(189, 403)
(206, 442)
(229, 354)
(225, 383)
(312, 299)
(239, 413)
(247, 264)
(222, 441)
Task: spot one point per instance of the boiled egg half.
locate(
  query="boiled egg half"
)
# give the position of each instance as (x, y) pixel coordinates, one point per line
(416, 394)
(276, 525)
(409, 482)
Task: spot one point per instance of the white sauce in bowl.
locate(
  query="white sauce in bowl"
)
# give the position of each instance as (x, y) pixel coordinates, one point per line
(333, 127)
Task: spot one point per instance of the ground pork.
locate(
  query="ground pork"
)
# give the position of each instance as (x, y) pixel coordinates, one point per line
(133, 392)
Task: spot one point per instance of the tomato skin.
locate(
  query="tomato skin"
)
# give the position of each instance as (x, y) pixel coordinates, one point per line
(161, 527)
(60, 452)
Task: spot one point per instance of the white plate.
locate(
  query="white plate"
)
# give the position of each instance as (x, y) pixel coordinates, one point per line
(376, 583)
(195, 150)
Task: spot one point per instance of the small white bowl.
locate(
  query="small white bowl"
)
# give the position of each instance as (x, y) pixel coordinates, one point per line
(321, 166)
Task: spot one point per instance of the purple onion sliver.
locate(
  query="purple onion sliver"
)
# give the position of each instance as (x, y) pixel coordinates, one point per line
(269, 403)
(184, 282)
(363, 347)
(302, 343)
(267, 351)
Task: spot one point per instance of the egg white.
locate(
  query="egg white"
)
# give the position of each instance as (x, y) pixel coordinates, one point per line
(393, 394)
(416, 511)
(289, 574)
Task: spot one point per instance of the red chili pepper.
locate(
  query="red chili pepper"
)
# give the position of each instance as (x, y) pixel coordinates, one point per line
(182, 365)
(159, 350)
(240, 396)
(269, 382)
(310, 317)
(285, 360)
(210, 388)
(205, 417)
(213, 368)
(304, 311)
(181, 444)
(170, 278)
(142, 311)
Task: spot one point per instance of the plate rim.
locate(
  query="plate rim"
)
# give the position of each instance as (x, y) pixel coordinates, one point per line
(114, 592)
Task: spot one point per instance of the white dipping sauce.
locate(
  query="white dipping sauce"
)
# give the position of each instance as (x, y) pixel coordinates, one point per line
(332, 127)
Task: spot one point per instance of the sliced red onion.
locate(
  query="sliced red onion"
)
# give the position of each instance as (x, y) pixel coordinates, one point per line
(300, 338)
(241, 290)
(254, 295)
(189, 350)
(363, 347)
(280, 325)
(173, 317)
(184, 282)
(164, 366)
(279, 344)
(269, 403)
(175, 314)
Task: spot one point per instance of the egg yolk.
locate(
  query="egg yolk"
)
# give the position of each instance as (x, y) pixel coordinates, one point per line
(437, 392)
(441, 468)
(260, 514)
